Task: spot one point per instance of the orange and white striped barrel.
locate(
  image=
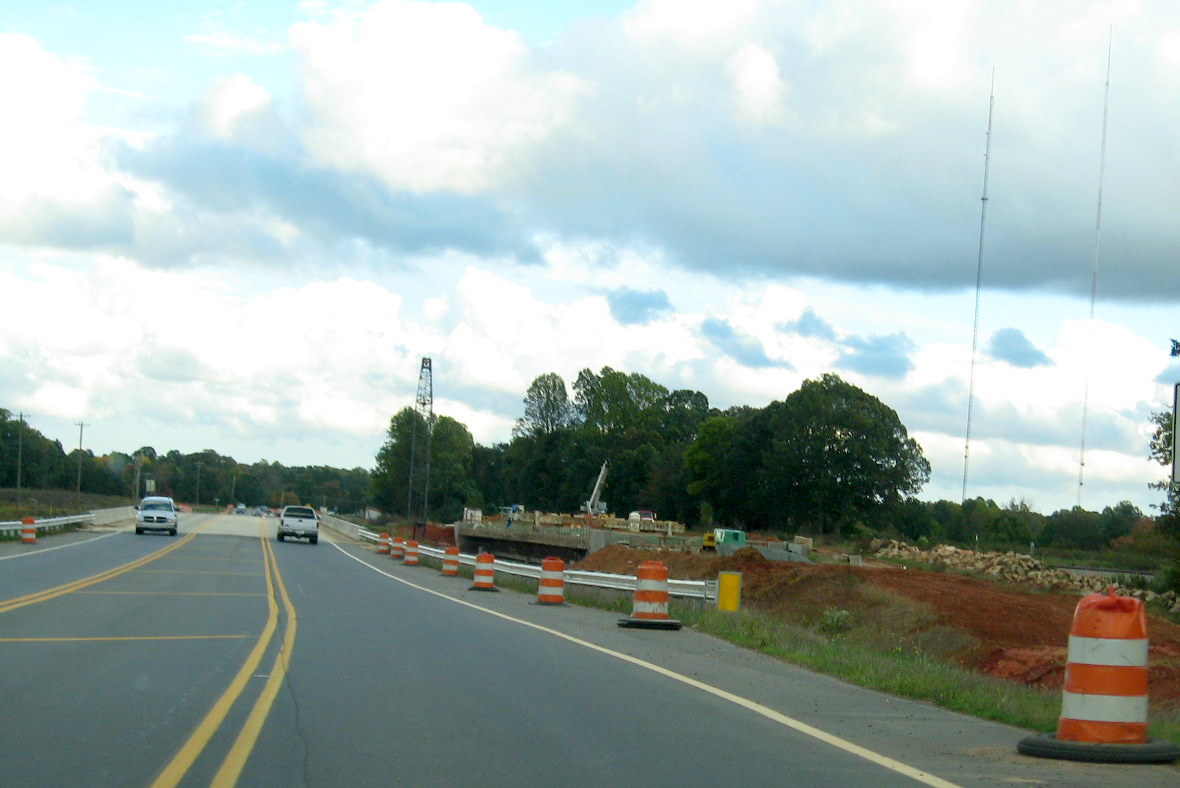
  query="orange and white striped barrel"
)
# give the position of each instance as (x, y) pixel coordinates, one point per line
(1104, 700)
(412, 553)
(397, 548)
(485, 573)
(650, 608)
(450, 564)
(551, 590)
(28, 530)
(651, 591)
(383, 544)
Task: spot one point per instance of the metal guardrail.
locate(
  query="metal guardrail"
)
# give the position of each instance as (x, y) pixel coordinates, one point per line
(95, 517)
(688, 589)
(48, 523)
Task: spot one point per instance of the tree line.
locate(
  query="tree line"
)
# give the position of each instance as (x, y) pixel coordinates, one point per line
(829, 458)
(203, 478)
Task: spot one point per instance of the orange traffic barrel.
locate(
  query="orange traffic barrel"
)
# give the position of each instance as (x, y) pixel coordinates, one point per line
(28, 530)
(650, 607)
(383, 544)
(450, 564)
(412, 553)
(397, 548)
(1104, 701)
(485, 573)
(551, 590)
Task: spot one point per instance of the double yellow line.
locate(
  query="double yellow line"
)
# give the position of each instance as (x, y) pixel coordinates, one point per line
(235, 760)
(77, 585)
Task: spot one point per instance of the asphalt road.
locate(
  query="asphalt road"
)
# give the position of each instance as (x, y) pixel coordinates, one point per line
(222, 657)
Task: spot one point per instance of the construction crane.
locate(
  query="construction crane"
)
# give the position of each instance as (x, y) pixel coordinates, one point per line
(595, 505)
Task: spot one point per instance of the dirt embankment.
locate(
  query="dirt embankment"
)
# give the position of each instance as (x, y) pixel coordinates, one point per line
(1000, 629)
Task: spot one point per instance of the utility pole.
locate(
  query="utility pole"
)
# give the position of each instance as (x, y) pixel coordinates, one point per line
(81, 426)
(137, 459)
(20, 441)
(197, 502)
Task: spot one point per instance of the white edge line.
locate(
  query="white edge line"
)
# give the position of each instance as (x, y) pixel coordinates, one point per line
(746, 703)
(59, 547)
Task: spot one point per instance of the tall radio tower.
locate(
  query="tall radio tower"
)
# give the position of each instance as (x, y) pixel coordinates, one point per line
(987, 155)
(1094, 270)
(418, 490)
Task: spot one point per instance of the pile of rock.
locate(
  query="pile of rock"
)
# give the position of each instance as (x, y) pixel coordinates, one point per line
(1014, 568)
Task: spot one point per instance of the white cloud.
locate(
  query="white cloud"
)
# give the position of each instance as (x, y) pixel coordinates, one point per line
(688, 23)
(231, 102)
(760, 93)
(426, 96)
(224, 44)
(49, 157)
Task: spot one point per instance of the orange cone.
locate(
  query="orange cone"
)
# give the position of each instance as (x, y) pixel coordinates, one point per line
(551, 590)
(650, 608)
(28, 530)
(397, 549)
(450, 564)
(411, 553)
(485, 573)
(1104, 701)
(383, 544)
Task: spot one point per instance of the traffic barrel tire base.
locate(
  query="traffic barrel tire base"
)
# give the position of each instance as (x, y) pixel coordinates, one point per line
(650, 608)
(1104, 700)
(1047, 745)
(551, 588)
(485, 573)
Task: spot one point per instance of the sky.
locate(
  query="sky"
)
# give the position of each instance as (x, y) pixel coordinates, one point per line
(241, 226)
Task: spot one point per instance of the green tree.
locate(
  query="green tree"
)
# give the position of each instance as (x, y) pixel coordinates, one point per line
(452, 485)
(836, 455)
(547, 408)
(1161, 451)
(391, 476)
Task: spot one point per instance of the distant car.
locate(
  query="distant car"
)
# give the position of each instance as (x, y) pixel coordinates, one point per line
(299, 521)
(240, 509)
(156, 513)
(261, 511)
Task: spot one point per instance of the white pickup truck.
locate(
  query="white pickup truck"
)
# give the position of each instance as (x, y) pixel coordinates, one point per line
(299, 521)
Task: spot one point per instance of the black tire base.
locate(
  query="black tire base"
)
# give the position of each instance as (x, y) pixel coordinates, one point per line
(1046, 745)
(650, 623)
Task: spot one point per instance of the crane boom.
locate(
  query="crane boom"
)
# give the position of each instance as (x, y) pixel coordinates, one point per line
(595, 505)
